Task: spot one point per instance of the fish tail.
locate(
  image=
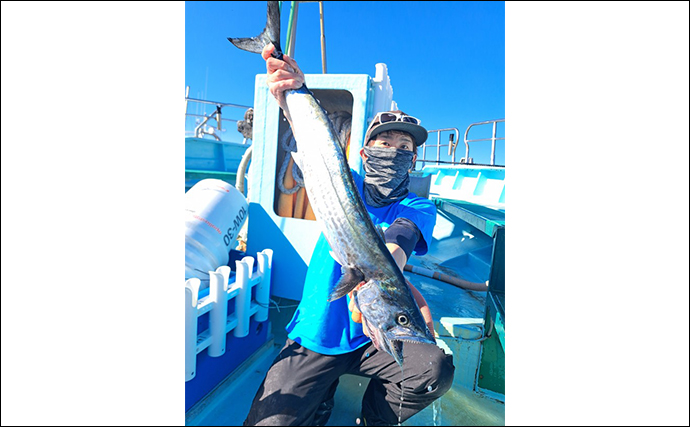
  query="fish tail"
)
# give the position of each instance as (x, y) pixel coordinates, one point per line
(270, 34)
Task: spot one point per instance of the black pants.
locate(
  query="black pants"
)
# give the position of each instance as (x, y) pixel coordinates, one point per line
(300, 380)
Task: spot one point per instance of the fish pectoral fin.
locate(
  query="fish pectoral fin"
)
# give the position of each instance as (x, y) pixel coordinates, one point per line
(348, 281)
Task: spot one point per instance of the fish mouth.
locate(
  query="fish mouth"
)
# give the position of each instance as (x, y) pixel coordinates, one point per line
(404, 335)
(393, 345)
(396, 345)
(381, 342)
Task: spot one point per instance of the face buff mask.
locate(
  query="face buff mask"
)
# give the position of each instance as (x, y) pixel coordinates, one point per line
(387, 175)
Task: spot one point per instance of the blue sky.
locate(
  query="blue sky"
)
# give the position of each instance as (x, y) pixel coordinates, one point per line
(446, 60)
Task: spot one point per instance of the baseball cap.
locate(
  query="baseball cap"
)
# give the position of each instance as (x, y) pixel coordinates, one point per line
(397, 120)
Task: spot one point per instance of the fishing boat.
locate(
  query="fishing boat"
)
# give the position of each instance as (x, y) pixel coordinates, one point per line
(236, 313)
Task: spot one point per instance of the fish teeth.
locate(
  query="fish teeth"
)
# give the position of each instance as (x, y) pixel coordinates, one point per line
(403, 340)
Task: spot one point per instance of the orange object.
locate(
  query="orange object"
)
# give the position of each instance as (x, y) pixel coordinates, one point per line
(308, 213)
(347, 147)
(299, 204)
(286, 201)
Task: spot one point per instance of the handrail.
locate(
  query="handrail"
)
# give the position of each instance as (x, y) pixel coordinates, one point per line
(453, 143)
(451, 146)
(200, 130)
(493, 138)
(222, 104)
(201, 115)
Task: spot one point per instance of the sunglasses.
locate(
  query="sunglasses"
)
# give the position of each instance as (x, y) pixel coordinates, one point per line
(395, 117)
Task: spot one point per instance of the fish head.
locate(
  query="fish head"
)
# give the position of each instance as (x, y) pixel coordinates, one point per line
(392, 316)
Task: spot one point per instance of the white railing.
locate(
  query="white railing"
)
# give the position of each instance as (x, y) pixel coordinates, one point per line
(454, 136)
(216, 304)
(453, 142)
(493, 138)
(201, 126)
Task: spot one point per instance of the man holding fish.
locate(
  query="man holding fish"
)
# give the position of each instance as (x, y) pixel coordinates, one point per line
(328, 336)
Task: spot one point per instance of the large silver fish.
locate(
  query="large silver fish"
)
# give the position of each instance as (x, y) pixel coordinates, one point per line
(386, 302)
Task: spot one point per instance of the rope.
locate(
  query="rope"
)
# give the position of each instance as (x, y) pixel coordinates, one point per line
(278, 307)
(342, 124)
(288, 143)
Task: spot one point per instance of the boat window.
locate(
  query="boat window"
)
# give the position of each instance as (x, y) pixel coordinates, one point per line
(291, 199)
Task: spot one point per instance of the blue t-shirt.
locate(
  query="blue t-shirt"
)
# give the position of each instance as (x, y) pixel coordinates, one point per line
(327, 328)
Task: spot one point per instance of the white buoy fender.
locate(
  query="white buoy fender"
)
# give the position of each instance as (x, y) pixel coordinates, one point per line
(214, 213)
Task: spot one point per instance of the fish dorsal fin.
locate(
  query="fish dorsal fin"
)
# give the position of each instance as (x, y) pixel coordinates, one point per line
(348, 281)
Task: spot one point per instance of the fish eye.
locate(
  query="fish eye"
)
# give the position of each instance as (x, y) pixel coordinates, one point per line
(403, 320)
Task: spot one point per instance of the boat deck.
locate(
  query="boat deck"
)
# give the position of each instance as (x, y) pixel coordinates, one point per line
(459, 317)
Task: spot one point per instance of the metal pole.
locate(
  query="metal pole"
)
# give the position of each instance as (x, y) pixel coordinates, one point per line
(186, 100)
(323, 39)
(455, 144)
(292, 29)
(222, 104)
(467, 146)
(493, 145)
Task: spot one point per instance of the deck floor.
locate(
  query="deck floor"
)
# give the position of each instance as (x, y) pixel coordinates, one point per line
(457, 407)
(460, 406)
